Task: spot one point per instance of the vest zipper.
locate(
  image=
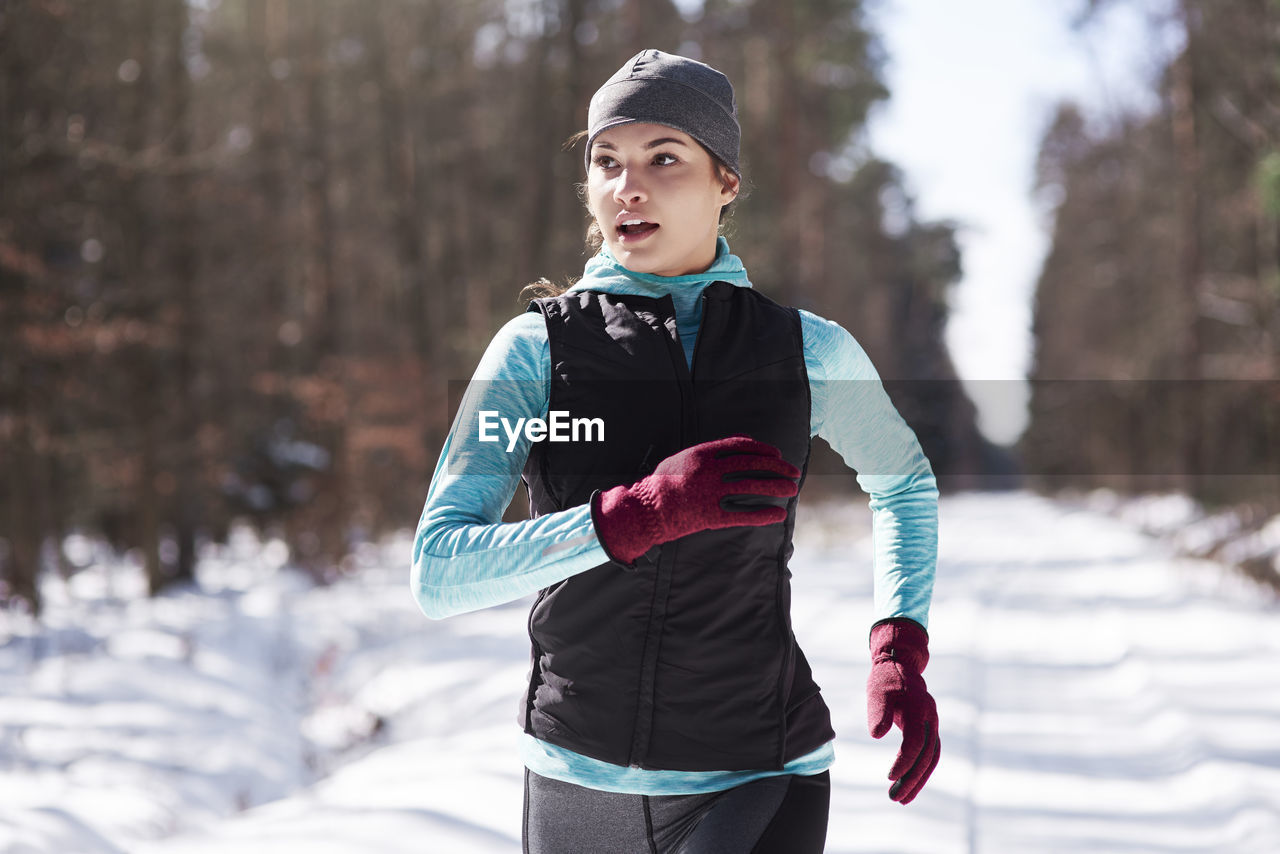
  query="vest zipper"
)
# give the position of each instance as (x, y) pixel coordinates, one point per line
(697, 341)
(643, 728)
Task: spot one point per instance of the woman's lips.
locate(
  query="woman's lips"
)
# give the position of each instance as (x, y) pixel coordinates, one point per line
(635, 233)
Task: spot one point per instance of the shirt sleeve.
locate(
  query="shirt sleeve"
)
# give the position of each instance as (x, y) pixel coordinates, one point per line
(852, 411)
(464, 557)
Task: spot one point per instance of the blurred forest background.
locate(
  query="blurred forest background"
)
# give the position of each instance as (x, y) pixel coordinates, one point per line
(246, 245)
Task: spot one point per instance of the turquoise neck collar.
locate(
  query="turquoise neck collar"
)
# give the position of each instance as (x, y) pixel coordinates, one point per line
(726, 267)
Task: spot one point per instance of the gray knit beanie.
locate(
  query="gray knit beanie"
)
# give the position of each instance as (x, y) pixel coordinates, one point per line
(670, 90)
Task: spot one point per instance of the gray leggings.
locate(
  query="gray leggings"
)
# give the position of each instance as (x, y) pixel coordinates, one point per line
(773, 815)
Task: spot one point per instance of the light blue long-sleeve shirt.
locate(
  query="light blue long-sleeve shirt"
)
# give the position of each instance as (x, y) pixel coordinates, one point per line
(465, 558)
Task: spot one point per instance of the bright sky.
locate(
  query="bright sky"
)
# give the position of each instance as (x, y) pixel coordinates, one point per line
(973, 85)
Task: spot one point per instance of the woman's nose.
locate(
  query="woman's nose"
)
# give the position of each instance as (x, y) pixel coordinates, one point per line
(629, 188)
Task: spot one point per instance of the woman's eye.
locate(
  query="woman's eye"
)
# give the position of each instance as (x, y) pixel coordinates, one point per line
(604, 161)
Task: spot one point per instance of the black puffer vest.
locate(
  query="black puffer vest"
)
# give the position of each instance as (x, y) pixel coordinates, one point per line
(687, 661)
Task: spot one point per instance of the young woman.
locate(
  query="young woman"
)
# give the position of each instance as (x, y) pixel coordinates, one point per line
(660, 413)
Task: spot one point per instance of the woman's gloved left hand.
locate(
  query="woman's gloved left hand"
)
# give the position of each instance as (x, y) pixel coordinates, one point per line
(896, 694)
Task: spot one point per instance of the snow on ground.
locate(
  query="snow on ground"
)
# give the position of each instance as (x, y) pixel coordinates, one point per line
(1097, 692)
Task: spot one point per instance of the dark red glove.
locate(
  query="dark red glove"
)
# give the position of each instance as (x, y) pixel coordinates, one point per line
(896, 694)
(694, 490)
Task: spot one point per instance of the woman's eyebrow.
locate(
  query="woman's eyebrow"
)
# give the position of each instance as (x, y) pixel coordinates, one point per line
(654, 144)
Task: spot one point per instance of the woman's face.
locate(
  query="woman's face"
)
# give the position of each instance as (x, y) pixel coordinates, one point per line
(662, 182)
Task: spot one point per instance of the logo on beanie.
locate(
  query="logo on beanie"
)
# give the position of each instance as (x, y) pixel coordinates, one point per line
(557, 427)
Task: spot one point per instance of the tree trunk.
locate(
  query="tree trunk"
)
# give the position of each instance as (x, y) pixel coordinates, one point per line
(327, 308)
(323, 309)
(22, 566)
(1187, 154)
(182, 269)
(399, 173)
(139, 359)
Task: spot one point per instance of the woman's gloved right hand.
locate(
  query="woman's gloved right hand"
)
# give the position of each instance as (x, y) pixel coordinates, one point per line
(687, 493)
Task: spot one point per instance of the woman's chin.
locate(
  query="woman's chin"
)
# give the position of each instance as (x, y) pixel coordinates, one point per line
(651, 265)
(635, 259)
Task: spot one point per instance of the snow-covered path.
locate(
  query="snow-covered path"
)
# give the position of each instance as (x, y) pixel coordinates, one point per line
(1101, 695)
(1096, 693)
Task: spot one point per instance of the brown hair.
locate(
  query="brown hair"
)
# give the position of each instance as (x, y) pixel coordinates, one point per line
(595, 239)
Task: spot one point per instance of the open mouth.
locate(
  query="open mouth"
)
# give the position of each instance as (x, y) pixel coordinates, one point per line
(637, 228)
